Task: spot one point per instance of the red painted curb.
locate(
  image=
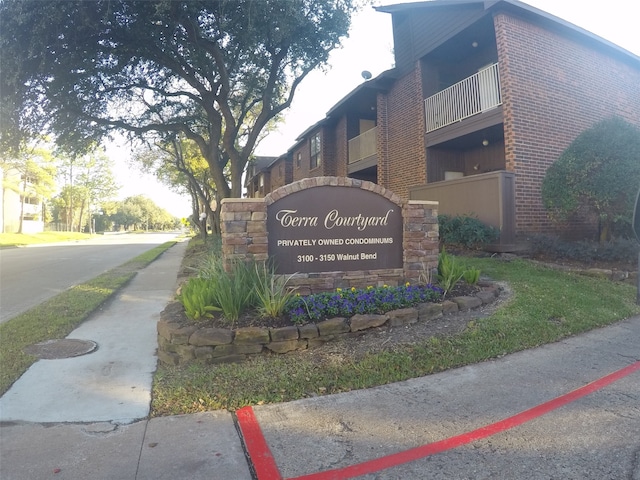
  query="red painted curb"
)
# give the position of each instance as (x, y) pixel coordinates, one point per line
(266, 468)
(257, 448)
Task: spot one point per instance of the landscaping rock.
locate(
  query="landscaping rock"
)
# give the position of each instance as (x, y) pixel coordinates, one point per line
(429, 311)
(180, 336)
(362, 322)
(449, 307)
(619, 275)
(467, 303)
(228, 359)
(597, 272)
(333, 326)
(287, 346)
(316, 342)
(251, 335)
(308, 331)
(211, 336)
(203, 353)
(168, 358)
(284, 333)
(403, 316)
(250, 349)
(185, 352)
(486, 296)
(223, 351)
(166, 328)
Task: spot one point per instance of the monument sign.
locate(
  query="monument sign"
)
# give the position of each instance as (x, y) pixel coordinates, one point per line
(334, 228)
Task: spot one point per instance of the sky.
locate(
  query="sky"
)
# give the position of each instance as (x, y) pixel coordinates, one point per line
(369, 48)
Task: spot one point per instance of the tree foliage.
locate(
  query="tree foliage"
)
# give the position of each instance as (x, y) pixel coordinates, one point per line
(215, 71)
(179, 164)
(88, 181)
(599, 171)
(139, 213)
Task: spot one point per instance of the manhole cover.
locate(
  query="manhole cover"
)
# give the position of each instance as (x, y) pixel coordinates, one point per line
(61, 348)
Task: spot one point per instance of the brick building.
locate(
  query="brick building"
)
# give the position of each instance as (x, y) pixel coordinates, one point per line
(483, 98)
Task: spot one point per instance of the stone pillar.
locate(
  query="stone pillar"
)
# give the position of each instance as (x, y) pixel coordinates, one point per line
(244, 230)
(420, 242)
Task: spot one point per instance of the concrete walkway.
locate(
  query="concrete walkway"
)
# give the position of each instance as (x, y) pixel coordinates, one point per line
(86, 417)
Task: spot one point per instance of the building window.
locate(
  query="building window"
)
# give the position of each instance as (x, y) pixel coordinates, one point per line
(316, 155)
(298, 160)
(30, 200)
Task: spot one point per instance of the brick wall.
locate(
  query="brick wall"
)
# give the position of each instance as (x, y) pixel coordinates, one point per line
(553, 88)
(280, 174)
(401, 135)
(245, 237)
(301, 169)
(328, 164)
(329, 160)
(341, 147)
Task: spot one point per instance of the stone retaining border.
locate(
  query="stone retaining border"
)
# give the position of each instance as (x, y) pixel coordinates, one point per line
(180, 344)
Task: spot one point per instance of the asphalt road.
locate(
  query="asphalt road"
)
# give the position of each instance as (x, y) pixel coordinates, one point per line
(31, 275)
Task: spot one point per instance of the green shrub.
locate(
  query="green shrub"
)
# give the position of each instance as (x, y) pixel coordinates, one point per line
(471, 276)
(466, 231)
(234, 291)
(554, 248)
(272, 293)
(197, 298)
(450, 271)
(598, 173)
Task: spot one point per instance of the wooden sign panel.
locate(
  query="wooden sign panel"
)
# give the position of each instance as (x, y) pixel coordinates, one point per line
(334, 228)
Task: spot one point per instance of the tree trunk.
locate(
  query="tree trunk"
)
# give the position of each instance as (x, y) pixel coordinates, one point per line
(82, 205)
(24, 190)
(4, 202)
(605, 229)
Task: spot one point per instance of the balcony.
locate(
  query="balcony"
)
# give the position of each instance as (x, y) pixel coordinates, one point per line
(363, 146)
(473, 95)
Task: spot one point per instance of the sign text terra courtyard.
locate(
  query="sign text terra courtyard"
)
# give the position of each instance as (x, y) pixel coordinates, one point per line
(288, 218)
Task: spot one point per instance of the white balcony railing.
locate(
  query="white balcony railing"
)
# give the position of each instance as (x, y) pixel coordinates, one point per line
(363, 146)
(475, 94)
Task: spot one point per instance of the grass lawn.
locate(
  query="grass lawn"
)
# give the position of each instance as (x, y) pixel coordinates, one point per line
(21, 239)
(546, 306)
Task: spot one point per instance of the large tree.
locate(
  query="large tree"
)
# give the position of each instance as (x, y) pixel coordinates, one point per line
(599, 172)
(215, 71)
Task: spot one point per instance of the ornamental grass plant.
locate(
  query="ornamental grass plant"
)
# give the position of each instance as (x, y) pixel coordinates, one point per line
(272, 293)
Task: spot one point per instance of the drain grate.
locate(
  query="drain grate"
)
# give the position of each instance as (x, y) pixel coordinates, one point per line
(61, 348)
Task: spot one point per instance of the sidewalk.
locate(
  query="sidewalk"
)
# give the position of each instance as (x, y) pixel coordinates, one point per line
(87, 417)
